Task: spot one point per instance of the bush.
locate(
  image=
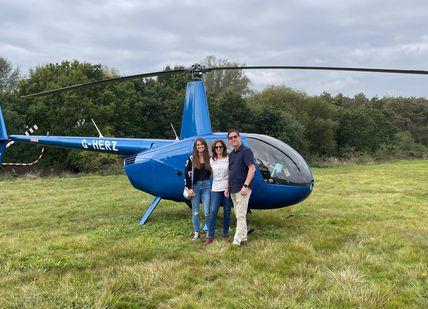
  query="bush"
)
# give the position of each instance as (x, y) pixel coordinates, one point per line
(88, 162)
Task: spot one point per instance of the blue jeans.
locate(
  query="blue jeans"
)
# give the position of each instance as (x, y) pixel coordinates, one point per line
(217, 199)
(202, 191)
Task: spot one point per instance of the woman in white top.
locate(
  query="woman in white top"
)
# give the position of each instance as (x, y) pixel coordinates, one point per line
(220, 171)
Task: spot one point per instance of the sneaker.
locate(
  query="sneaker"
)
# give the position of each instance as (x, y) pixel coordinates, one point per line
(208, 241)
(236, 243)
(196, 236)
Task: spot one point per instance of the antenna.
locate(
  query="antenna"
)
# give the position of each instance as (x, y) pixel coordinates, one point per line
(99, 132)
(175, 133)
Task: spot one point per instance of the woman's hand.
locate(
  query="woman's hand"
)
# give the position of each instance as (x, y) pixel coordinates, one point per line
(191, 192)
(226, 193)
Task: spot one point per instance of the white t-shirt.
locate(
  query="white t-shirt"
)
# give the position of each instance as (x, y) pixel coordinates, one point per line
(220, 169)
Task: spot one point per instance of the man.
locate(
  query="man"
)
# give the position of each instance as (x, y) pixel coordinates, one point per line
(241, 173)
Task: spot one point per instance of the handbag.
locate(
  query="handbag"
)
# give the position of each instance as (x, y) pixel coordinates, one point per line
(186, 194)
(186, 191)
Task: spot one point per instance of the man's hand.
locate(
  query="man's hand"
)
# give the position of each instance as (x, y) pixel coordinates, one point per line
(226, 193)
(244, 191)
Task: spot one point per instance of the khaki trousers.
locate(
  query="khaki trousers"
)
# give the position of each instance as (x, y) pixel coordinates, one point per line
(240, 203)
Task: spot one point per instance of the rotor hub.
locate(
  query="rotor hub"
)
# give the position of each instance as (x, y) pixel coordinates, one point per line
(196, 71)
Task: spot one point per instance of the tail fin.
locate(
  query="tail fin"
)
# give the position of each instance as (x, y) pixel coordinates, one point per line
(196, 116)
(3, 137)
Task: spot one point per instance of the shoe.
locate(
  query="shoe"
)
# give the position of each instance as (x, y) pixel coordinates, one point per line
(196, 236)
(225, 236)
(236, 243)
(250, 231)
(208, 240)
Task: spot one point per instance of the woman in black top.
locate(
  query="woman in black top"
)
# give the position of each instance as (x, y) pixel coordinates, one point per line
(200, 188)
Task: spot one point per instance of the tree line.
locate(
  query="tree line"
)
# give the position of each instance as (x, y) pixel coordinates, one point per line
(319, 127)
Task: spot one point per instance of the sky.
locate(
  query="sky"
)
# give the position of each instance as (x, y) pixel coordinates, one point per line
(142, 36)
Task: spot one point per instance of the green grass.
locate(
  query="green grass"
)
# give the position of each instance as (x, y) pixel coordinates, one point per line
(360, 240)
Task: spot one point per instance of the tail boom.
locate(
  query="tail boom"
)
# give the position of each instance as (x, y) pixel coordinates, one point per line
(120, 146)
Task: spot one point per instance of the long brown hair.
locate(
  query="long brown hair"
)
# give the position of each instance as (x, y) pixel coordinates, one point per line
(224, 153)
(206, 155)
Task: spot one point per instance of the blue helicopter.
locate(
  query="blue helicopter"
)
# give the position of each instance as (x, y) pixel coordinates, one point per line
(156, 166)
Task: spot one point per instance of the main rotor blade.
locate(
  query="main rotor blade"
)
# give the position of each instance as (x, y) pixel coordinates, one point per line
(100, 82)
(197, 71)
(296, 67)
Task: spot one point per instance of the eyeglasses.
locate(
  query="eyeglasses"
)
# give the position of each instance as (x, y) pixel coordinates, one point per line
(218, 147)
(233, 136)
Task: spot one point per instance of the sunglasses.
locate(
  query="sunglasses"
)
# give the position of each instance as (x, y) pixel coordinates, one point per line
(218, 147)
(233, 137)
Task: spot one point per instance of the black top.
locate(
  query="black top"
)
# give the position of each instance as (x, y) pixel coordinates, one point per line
(239, 161)
(199, 174)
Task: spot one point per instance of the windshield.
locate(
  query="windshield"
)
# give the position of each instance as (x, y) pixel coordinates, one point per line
(278, 162)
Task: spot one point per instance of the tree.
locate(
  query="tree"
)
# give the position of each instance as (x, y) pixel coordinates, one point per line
(363, 129)
(230, 111)
(161, 104)
(9, 76)
(282, 98)
(315, 125)
(70, 113)
(406, 114)
(14, 112)
(280, 125)
(218, 82)
(313, 118)
(319, 117)
(12, 107)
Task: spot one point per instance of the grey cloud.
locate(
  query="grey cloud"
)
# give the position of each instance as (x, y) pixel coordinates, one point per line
(136, 36)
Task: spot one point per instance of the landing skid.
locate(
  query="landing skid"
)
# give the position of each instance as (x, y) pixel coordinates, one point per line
(150, 210)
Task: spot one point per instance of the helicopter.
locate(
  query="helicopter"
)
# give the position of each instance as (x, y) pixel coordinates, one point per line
(156, 166)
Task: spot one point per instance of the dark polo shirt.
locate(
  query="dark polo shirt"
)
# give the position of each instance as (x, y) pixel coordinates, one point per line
(239, 160)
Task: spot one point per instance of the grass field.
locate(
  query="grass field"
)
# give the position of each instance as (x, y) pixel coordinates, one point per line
(360, 240)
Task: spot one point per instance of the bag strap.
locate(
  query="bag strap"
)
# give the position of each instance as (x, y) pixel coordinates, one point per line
(191, 160)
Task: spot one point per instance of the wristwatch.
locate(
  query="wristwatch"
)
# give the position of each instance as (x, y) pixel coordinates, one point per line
(245, 185)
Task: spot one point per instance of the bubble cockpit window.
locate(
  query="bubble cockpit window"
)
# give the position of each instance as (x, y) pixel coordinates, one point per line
(278, 162)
